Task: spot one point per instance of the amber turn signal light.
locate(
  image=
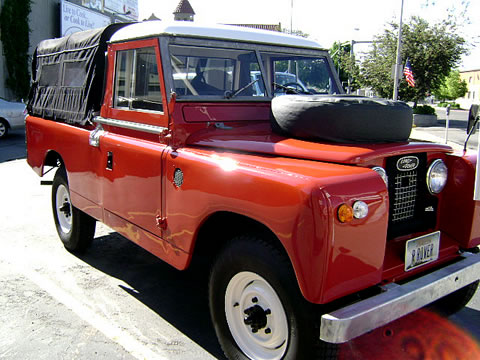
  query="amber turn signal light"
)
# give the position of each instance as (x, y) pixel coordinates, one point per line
(345, 213)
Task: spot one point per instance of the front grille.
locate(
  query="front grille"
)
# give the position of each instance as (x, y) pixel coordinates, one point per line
(404, 196)
(411, 204)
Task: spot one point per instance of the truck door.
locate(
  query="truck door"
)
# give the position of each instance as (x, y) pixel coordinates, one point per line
(133, 117)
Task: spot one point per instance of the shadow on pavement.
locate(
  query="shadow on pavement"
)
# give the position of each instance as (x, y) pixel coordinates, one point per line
(13, 146)
(181, 298)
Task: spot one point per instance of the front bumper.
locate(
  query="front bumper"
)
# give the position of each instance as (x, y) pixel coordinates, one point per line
(397, 300)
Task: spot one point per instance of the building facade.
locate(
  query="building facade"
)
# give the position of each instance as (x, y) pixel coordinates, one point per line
(472, 78)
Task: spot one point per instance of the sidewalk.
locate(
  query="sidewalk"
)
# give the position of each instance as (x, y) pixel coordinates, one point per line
(456, 133)
(423, 135)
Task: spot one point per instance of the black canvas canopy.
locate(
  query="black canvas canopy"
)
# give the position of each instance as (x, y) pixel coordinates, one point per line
(68, 75)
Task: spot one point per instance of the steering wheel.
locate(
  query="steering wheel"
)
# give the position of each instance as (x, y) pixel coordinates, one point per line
(293, 86)
(297, 86)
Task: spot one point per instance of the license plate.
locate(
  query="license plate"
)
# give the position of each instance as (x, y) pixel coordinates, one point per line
(422, 250)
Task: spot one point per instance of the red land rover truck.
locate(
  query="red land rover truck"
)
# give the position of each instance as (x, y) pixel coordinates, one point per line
(321, 219)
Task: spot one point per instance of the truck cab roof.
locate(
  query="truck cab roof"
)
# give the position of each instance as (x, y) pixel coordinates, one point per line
(148, 29)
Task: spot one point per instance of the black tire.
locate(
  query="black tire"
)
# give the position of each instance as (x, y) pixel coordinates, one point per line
(3, 129)
(342, 118)
(456, 301)
(75, 228)
(246, 265)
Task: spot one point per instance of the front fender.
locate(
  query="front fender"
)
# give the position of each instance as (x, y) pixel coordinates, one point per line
(295, 199)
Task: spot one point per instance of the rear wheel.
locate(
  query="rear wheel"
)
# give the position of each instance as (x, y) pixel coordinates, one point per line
(75, 228)
(3, 129)
(257, 309)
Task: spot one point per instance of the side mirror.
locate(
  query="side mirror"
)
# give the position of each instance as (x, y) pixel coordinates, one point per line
(473, 118)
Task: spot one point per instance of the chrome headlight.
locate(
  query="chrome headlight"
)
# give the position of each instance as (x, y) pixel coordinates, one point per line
(437, 175)
(381, 171)
(360, 210)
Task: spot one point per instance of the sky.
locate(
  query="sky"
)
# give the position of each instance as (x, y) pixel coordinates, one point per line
(326, 21)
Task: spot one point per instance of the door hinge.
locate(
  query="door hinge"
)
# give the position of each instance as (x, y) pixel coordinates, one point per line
(161, 222)
(95, 135)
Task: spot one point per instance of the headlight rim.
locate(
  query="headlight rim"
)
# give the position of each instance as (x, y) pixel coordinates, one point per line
(380, 170)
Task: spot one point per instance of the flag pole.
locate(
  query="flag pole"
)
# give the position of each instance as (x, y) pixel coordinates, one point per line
(398, 63)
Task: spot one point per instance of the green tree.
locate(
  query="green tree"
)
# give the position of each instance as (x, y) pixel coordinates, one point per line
(340, 53)
(15, 41)
(346, 64)
(453, 87)
(433, 51)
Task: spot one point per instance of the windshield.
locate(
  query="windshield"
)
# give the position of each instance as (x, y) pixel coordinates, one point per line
(212, 72)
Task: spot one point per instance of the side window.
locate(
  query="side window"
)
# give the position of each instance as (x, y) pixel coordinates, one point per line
(74, 73)
(49, 74)
(137, 85)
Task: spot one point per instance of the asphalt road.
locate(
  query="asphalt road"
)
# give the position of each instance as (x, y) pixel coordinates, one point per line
(13, 146)
(119, 302)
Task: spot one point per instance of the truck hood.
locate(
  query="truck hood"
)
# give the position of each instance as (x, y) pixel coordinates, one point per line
(260, 139)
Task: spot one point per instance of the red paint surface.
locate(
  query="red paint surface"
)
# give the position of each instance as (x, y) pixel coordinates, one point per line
(459, 214)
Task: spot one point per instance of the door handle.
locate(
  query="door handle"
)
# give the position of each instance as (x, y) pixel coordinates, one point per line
(109, 160)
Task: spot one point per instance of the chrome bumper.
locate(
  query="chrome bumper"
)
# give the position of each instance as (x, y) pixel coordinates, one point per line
(396, 301)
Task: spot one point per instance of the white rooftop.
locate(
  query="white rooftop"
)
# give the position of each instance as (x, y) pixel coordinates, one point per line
(153, 28)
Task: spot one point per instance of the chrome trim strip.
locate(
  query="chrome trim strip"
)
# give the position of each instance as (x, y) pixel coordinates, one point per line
(152, 129)
(357, 319)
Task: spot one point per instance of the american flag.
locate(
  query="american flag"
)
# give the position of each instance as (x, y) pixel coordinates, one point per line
(407, 71)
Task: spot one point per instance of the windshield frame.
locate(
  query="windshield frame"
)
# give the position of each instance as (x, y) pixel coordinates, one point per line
(258, 48)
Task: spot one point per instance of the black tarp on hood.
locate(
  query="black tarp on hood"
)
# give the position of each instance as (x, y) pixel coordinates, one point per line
(68, 75)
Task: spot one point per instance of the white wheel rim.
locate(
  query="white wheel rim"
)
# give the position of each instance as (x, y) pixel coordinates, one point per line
(2, 129)
(64, 209)
(249, 291)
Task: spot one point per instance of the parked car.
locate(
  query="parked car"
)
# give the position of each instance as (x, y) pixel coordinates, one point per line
(12, 116)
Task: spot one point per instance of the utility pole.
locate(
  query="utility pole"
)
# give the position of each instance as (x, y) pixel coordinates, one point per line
(398, 62)
(291, 17)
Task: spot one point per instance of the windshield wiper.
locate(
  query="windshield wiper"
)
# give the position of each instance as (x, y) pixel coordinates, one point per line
(230, 95)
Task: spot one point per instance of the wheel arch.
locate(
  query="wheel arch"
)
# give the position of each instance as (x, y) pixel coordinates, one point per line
(222, 226)
(53, 159)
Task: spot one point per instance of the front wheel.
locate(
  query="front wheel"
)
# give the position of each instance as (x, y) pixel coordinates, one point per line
(455, 301)
(257, 309)
(75, 228)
